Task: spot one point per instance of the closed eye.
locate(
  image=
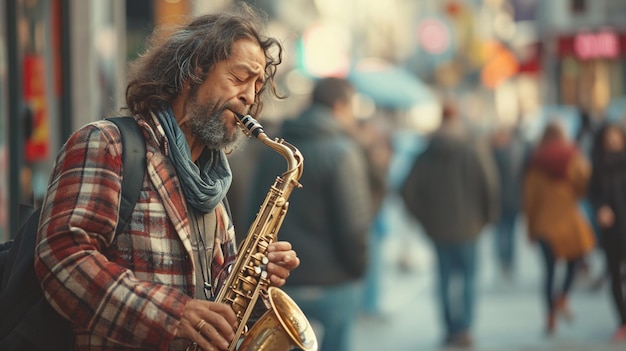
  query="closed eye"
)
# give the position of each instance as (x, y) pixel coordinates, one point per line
(259, 87)
(244, 74)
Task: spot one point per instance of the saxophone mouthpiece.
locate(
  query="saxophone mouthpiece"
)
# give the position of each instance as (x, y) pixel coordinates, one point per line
(249, 125)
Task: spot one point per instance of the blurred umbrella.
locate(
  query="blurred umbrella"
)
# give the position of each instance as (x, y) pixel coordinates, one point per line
(389, 86)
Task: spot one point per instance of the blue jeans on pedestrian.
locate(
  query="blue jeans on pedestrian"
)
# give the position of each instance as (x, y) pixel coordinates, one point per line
(371, 289)
(504, 235)
(456, 261)
(334, 307)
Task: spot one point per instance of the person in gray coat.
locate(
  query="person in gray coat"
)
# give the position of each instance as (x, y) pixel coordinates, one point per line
(329, 217)
(452, 191)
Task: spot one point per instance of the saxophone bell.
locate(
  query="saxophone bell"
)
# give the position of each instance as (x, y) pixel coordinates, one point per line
(282, 327)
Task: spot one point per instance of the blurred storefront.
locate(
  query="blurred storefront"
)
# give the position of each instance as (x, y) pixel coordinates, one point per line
(586, 42)
(32, 33)
(591, 68)
(62, 65)
(59, 68)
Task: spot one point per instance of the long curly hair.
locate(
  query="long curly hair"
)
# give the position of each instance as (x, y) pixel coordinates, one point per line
(158, 75)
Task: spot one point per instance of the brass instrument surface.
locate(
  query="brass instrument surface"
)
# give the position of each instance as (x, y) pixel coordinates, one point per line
(284, 326)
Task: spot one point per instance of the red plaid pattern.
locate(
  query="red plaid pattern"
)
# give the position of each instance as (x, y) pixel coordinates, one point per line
(127, 291)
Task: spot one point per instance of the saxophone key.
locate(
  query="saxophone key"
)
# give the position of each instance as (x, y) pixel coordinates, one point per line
(280, 201)
(248, 283)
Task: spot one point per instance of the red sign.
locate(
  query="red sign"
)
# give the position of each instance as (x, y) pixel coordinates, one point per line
(604, 44)
(434, 36)
(596, 45)
(36, 144)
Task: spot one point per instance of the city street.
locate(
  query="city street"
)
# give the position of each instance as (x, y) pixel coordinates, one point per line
(509, 315)
(482, 76)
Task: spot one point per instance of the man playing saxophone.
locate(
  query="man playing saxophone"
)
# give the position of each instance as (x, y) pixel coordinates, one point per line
(151, 286)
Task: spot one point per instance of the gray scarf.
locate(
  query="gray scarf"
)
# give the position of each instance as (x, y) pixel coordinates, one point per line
(204, 184)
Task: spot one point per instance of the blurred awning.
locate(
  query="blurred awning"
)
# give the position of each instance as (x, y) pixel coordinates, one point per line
(389, 86)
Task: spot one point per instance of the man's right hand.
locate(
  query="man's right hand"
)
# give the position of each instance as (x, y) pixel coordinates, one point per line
(209, 324)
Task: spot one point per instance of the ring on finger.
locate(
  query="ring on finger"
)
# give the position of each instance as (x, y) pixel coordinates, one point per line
(200, 325)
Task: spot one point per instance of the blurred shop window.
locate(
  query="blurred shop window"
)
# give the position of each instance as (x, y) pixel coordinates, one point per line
(142, 16)
(139, 24)
(38, 32)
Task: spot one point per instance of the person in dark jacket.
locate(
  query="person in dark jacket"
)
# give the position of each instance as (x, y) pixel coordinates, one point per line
(607, 192)
(329, 217)
(510, 152)
(453, 191)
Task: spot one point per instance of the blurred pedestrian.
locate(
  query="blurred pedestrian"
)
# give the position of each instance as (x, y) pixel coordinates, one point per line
(452, 190)
(584, 139)
(587, 129)
(608, 195)
(329, 217)
(375, 142)
(555, 181)
(510, 152)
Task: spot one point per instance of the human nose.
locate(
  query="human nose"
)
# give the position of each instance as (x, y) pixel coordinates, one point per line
(248, 94)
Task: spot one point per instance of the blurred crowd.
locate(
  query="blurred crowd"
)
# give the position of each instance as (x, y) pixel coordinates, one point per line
(566, 188)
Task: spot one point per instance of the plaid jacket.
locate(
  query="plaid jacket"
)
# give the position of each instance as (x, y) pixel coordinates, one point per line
(127, 291)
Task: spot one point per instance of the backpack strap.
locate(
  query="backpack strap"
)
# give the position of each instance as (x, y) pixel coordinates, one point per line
(134, 166)
(28, 321)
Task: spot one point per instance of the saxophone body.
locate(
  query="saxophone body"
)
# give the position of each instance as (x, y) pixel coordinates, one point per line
(283, 326)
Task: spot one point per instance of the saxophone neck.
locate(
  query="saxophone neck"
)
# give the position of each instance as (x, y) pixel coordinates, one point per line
(292, 155)
(251, 127)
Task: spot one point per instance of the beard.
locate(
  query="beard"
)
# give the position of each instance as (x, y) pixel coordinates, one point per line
(207, 123)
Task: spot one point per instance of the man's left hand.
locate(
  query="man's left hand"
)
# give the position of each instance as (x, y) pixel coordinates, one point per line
(282, 260)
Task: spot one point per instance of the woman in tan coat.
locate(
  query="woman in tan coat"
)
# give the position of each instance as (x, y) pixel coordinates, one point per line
(555, 181)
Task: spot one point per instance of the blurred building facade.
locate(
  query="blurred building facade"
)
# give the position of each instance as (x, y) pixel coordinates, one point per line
(63, 63)
(586, 48)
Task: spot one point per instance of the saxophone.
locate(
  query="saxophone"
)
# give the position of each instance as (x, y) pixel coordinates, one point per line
(283, 326)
